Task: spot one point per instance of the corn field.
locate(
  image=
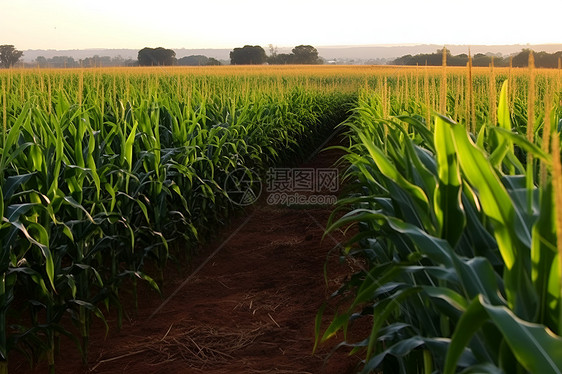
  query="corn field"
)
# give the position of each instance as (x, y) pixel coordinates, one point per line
(104, 172)
(456, 186)
(458, 213)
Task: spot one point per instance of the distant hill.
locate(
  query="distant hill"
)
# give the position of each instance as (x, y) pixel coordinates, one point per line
(341, 53)
(394, 51)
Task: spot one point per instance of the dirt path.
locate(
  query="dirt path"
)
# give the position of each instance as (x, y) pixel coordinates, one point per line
(249, 308)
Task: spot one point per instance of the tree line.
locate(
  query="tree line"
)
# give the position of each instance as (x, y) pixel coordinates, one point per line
(247, 55)
(89, 62)
(167, 57)
(255, 55)
(542, 59)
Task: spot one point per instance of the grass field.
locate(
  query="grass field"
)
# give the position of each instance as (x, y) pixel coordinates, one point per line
(106, 171)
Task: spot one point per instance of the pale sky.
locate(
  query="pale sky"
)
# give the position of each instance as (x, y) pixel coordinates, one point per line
(76, 24)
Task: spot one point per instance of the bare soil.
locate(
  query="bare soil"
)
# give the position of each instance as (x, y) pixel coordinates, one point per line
(246, 305)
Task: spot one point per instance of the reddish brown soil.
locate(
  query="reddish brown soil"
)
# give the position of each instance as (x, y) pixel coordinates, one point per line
(250, 308)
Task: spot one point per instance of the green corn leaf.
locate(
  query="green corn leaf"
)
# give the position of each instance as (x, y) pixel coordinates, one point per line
(57, 163)
(400, 349)
(16, 153)
(390, 171)
(338, 322)
(72, 285)
(481, 139)
(448, 205)
(470, 322)
(73, 203)
(555, 304)
(128, 147)
(504, 120)
(519, 168)
(318, 326)
(522, 142)
(504, 117)
(92, 308)
(13, 212)
(109, 188)
(144, 210)
(478, 277)
(12, 183)
(477, 274)
(383, 310)
(43, 243)
(544, 258)
(91, 162)
(536, 348)
(493, 196)
(448, 295)
(36, 155)
(437, 249)
(13, 135)
(32, 274)
(485, 368)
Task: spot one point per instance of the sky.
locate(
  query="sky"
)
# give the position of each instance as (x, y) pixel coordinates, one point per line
(78, 24)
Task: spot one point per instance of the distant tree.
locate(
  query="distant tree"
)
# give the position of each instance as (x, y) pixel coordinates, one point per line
(521, 59)
(305, 54)
(96, 61)
(194, 60)
(301, 54)
(41, 61)
(542, 59)
(118, 61)
(248, 55)
(197, 60)
(9, 55)
(458, 60)
(62, 62)
(282, 59)
(548, 60)
(213, 62)
(103, 61)
(156, 57)
(436, 59)
(480, 59)
(404, 60)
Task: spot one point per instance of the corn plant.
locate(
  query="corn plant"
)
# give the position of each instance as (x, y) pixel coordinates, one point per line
(461, 262)
(102, 173)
